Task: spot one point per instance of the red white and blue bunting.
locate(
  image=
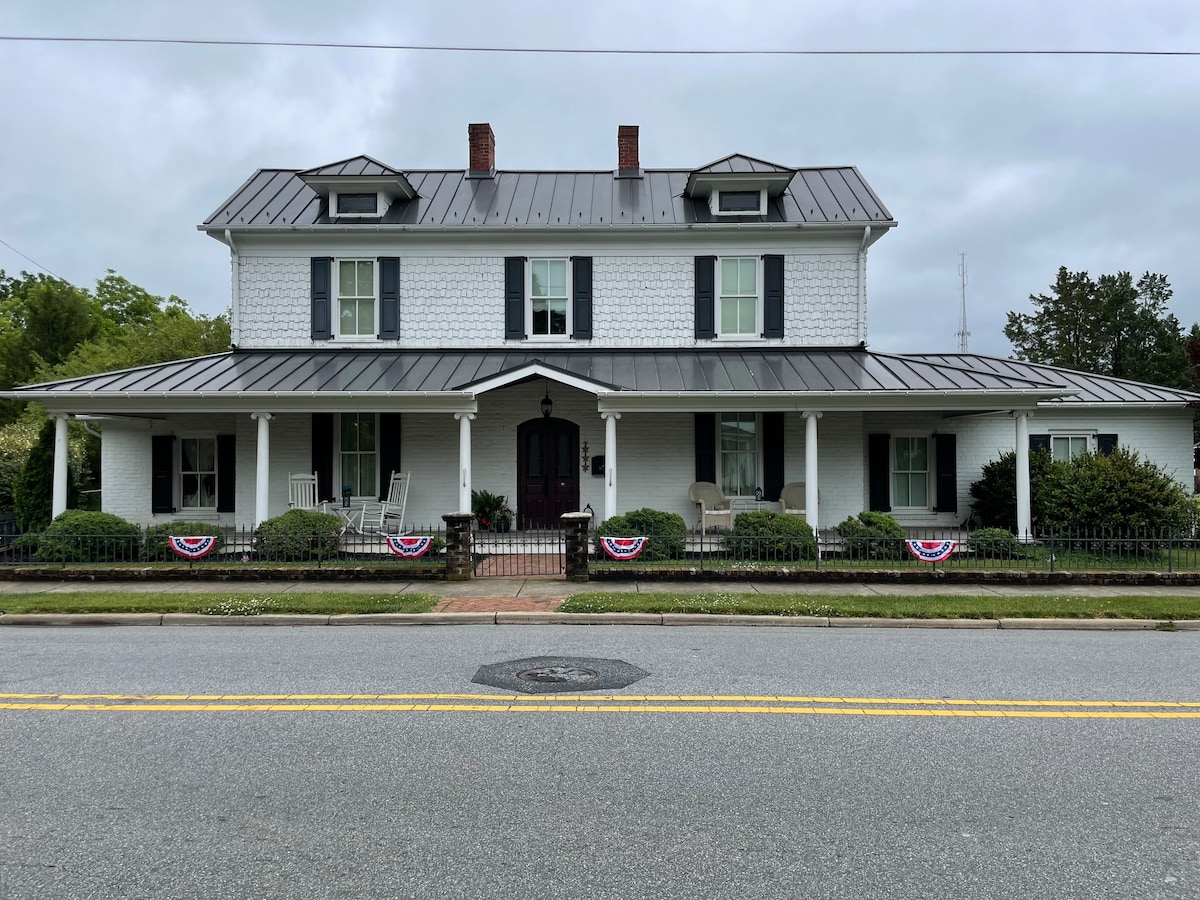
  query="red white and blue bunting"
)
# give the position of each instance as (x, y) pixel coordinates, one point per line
(931, 551)
(623, 548)
(409, 547)
(192, 547)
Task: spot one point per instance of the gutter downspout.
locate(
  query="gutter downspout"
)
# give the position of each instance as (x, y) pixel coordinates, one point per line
(862, 286)
(235, 261)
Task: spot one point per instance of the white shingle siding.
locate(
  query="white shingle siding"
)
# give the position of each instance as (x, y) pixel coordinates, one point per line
(458, 301)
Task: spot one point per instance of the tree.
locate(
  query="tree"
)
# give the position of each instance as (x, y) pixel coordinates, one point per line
(34, 490)
(1110, 326)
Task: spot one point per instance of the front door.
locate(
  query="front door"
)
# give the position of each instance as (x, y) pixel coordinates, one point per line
(547, 471)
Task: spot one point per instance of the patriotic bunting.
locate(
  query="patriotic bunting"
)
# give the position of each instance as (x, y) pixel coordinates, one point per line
(192, 547)
(623, 548)
(931, 551)
(409, 547)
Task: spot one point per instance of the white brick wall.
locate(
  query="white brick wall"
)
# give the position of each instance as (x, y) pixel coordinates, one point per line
(638, 301)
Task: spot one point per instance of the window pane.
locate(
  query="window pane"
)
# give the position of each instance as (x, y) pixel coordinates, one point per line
(919, 455)
(349, 432)
(208, 490)
(558, 317)
(187, 451)
(558, 278)
(346, 315)
(917, 489)
(902, 455)
(738, 201)
(357, 203)
(366, 278)
(729, 317)
(538, 268)
(206, 455)
(729, 277)
(346, 280)
(366, 431)
(366, 474)
(746, 316)
(747, 283)
(541, 317)
(191, 490)
(350, 470)
(900, 490)
(366, 317)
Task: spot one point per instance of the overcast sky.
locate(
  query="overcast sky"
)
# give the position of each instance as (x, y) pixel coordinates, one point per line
(113, 153)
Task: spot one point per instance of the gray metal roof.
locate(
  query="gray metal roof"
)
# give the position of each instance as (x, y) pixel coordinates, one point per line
(738, 163)
(1090, 388)
(369, 372)
(823, 196)
(356, 165)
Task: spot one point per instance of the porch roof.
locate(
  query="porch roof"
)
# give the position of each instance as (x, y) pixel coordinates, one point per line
(437, 380)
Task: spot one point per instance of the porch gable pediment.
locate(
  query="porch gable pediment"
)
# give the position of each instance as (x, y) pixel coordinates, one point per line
(536, 368)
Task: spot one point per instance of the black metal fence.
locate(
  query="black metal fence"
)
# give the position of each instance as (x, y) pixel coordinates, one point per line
(1099, 550)
(532, 551)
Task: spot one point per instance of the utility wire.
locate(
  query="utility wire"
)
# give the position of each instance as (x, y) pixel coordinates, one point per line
(31, 259)
(585, 51)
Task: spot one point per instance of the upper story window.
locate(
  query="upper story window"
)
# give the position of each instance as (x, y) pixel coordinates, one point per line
(738, 292)
(549, 313)
(738, 203)
(356, 297)
(198, 473)
(358, 204)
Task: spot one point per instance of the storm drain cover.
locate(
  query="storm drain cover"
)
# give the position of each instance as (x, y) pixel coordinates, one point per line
(548, 674)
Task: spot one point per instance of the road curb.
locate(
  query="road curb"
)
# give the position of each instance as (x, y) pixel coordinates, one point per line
(870, 622)
(82, 619)
(1081, 624)
(757, 621)
(462, 618)
(264, 619)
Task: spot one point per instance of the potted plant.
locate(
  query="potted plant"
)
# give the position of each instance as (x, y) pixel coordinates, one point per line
(491, 511)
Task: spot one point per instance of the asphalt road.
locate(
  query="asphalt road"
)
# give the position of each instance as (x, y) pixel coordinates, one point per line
(851, 795)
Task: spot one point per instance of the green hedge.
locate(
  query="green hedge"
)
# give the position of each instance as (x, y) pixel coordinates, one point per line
(993, 543)
(85, 536)
(872, 535)
(299, 535)
(666, 531)
(771, 537)
(157, 548)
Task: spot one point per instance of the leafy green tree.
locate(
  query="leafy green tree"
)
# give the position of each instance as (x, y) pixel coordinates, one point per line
(1109, 326)
(34, 490)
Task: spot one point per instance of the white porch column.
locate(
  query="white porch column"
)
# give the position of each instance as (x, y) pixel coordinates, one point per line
(1024, 518)
(811, 504)
(464, 461)
(58, 502)
(262, 472)
(610, 463)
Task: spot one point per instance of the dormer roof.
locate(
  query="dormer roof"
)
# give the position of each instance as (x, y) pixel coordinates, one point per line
(739, 172)
(359, 174)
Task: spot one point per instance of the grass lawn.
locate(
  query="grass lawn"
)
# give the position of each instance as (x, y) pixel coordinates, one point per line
(248, 603)
(932, 606)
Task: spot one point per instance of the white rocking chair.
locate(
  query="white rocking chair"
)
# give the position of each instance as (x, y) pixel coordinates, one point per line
(302, 492)
(391, 510)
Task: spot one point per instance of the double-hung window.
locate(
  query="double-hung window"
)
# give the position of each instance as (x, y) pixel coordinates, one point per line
(198, 473)
(548, 300)
(356, 298)
(738, 442)
(1068, 446)
(358, 454)
(737, 302)
(910, 471)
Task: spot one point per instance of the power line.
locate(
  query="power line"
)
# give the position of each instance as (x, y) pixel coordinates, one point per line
(586, 51)
(30, 259)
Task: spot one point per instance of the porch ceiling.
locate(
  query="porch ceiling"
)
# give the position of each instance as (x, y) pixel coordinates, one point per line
(452, 380)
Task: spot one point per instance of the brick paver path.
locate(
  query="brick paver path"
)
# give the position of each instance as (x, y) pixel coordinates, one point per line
(520, 564)
(499, 604)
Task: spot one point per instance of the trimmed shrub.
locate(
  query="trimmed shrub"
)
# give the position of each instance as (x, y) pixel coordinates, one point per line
(771, 537)
(666, 531)
(156, 547)
(79, 535)
(872, 535)
(993, 543)
(1119, 492)
(299, 535)
(994, 495)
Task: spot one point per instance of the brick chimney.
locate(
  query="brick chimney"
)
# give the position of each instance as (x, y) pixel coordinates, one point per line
(483, 150)
(627, 150)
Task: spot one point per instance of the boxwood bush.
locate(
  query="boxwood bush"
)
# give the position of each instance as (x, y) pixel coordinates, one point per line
(993, 543)
(299, 535)
(79, 535)
(771, 537)
(156, 548)
(872, 535)
(666, 531)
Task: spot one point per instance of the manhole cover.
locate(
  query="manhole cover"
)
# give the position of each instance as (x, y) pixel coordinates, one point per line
(547, 674)
(555, 674)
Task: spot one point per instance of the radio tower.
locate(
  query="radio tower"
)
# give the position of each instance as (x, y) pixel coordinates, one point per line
(962, 334)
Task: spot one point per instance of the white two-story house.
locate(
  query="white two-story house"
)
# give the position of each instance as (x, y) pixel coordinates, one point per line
(576, 339)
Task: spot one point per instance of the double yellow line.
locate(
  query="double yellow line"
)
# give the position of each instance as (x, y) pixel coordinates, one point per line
(685, 703)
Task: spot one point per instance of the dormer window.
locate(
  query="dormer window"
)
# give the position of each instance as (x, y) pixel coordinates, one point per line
(749, 202)
(739, 203)
(358, 204)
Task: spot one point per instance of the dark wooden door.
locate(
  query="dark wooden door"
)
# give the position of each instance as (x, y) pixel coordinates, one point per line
(547, 471)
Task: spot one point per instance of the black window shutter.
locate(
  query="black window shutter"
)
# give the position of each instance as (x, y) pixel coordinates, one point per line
(706, 447)
(1039, 442)
(1105, 444)
(706, 273)
(879, 472)
(773, 296)
(162, 468)
(226, 473)
(946, 472)
(772, 455)
(389, 450)
(322, 455)
(581, 267)
(389, 297)
(514, 298)
(321, 271)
